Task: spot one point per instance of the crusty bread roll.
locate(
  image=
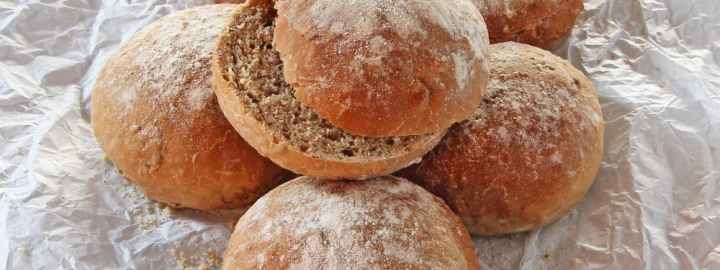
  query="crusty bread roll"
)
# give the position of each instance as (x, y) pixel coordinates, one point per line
(260, 104)
(155, 115)
(531, 151)
(383, 223)
(384, 67)
(536, 22)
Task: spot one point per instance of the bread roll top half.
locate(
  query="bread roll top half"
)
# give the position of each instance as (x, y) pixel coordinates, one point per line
(384, 67)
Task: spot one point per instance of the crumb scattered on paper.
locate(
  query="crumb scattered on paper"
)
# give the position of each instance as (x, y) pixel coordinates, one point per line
(210, 260)
(23, 249)
(547, 257)
(152, 215)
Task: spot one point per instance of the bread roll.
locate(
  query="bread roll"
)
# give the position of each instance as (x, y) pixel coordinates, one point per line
(383, 223)
(155, 115)
(384, 67)
(531, 151)
(262, 107)
(536, 22)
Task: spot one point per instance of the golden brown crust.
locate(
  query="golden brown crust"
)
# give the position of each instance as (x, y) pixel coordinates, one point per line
(384, 67)
(530, 153)
(155, 116)
(383, 223)
(536, 22)
(259, 135)
(260, 3)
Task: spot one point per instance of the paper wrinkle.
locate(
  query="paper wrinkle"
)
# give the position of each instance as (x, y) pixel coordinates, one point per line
(655, 203)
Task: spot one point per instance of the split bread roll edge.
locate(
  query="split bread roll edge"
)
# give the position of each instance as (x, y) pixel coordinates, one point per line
(531, 151)
(156, 117)
(252, 92)
(381, 223)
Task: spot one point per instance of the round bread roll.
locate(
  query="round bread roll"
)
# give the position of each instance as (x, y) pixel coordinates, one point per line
(531, 151)
(155, 115)
(536, 22)
(260, 104)
(383, 223)
(384, 67)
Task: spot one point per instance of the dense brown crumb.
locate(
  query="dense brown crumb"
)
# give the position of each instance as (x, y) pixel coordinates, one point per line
(256, 73)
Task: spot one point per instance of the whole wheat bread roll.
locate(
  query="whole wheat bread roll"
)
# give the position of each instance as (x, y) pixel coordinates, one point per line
(537, 22)
(156, 117)
(262, 107)
(383, 223)
(531, 151)
(384, 67)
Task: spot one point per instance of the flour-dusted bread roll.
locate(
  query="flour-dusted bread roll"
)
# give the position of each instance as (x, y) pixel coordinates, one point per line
(262, 106)
(156, 117)
(536, 22)
(384, 67)
(383, 223)
(531, 151)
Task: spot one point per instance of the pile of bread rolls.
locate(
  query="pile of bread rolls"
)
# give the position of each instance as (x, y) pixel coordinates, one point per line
(219, 106)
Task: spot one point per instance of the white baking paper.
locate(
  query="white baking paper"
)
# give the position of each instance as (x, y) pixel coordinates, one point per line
(655, 204)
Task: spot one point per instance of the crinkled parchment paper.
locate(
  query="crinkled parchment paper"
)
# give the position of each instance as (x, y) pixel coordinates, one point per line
(655, 204)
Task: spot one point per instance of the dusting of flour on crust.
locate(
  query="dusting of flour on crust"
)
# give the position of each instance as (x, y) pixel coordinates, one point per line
(505, 7)
(535, 107)
(452, 33)
(170, 66)
(360, 19)
(318, 224)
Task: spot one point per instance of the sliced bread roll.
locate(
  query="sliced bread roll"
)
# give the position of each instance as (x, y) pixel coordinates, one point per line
(261, 105)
